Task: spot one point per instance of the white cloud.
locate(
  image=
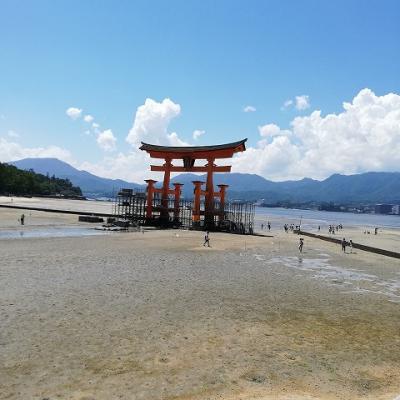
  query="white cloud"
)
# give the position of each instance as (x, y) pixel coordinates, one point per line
(88, 118)
(267, 159)
(151, 123)
(12, 134)
(74, 113)
(106, 140)
(302, 102)
(365, 136)
(11, 151)
(197, 133)
(270, 130)
(287, 104)
(249, 109)
(174, 140)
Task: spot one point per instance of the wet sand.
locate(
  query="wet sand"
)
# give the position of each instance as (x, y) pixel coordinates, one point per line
(387, 239)
(158, 316)
(60, 204)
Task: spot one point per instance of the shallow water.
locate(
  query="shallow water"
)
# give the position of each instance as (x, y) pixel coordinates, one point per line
(350, 279)
(50, 232)
(313, 218)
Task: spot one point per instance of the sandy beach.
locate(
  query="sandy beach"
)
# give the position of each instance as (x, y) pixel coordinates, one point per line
(64, 204)
(387, 238)
(158, 316)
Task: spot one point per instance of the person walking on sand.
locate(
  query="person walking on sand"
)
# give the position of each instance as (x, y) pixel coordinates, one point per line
(351, 246)
(269, 226)
(301, 244)
(207, 239)
(344, 243)
(22, 219)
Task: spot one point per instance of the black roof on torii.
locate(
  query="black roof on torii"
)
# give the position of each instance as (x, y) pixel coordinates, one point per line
(218, 151)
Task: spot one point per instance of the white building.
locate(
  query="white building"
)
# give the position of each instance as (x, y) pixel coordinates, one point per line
(396, 209)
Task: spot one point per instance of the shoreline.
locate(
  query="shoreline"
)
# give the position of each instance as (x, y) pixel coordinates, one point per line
(57, 211)
(385, 243)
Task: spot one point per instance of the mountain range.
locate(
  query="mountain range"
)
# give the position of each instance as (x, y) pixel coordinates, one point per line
(366, 187)
(91, 185)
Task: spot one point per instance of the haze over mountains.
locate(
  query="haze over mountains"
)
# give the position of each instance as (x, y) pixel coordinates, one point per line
(367, 187)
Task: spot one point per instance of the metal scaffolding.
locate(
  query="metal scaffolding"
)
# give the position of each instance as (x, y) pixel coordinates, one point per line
(235, 217)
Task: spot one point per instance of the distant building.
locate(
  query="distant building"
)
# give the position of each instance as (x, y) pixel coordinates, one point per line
(383, 208)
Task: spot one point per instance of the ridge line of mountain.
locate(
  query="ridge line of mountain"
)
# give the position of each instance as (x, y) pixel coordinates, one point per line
(369, 186)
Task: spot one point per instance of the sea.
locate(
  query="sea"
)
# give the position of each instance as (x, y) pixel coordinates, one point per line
(311, 219)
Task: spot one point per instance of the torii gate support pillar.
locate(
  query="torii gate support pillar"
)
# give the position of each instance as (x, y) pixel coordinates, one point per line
(196, 205)
(177, 197)
(209, 206)
(222, 193)
(149, 198)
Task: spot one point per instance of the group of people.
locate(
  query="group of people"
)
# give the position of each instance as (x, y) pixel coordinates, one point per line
(268, 226)
(346, 243)
(291, 227)
(367, 232)
(334, 228)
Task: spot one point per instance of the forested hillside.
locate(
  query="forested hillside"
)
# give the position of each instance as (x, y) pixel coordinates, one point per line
(18, 182)
(91, 185)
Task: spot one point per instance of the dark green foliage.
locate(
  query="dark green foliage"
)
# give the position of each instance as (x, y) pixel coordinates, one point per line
(18, 182)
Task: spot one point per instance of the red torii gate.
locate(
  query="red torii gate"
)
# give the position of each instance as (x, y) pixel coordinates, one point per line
(189, 154)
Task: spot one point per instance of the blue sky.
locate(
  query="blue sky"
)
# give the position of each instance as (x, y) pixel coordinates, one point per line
(213, 58)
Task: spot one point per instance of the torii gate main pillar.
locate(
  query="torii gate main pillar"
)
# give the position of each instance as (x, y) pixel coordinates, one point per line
(209, 209)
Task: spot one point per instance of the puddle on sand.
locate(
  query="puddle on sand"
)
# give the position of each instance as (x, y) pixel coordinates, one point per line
(353, 280)
(50, 232)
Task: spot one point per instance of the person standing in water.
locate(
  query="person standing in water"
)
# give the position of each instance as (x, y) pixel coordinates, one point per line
(301, 244)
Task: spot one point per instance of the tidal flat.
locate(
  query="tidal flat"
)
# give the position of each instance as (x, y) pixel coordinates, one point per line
(158, 316)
